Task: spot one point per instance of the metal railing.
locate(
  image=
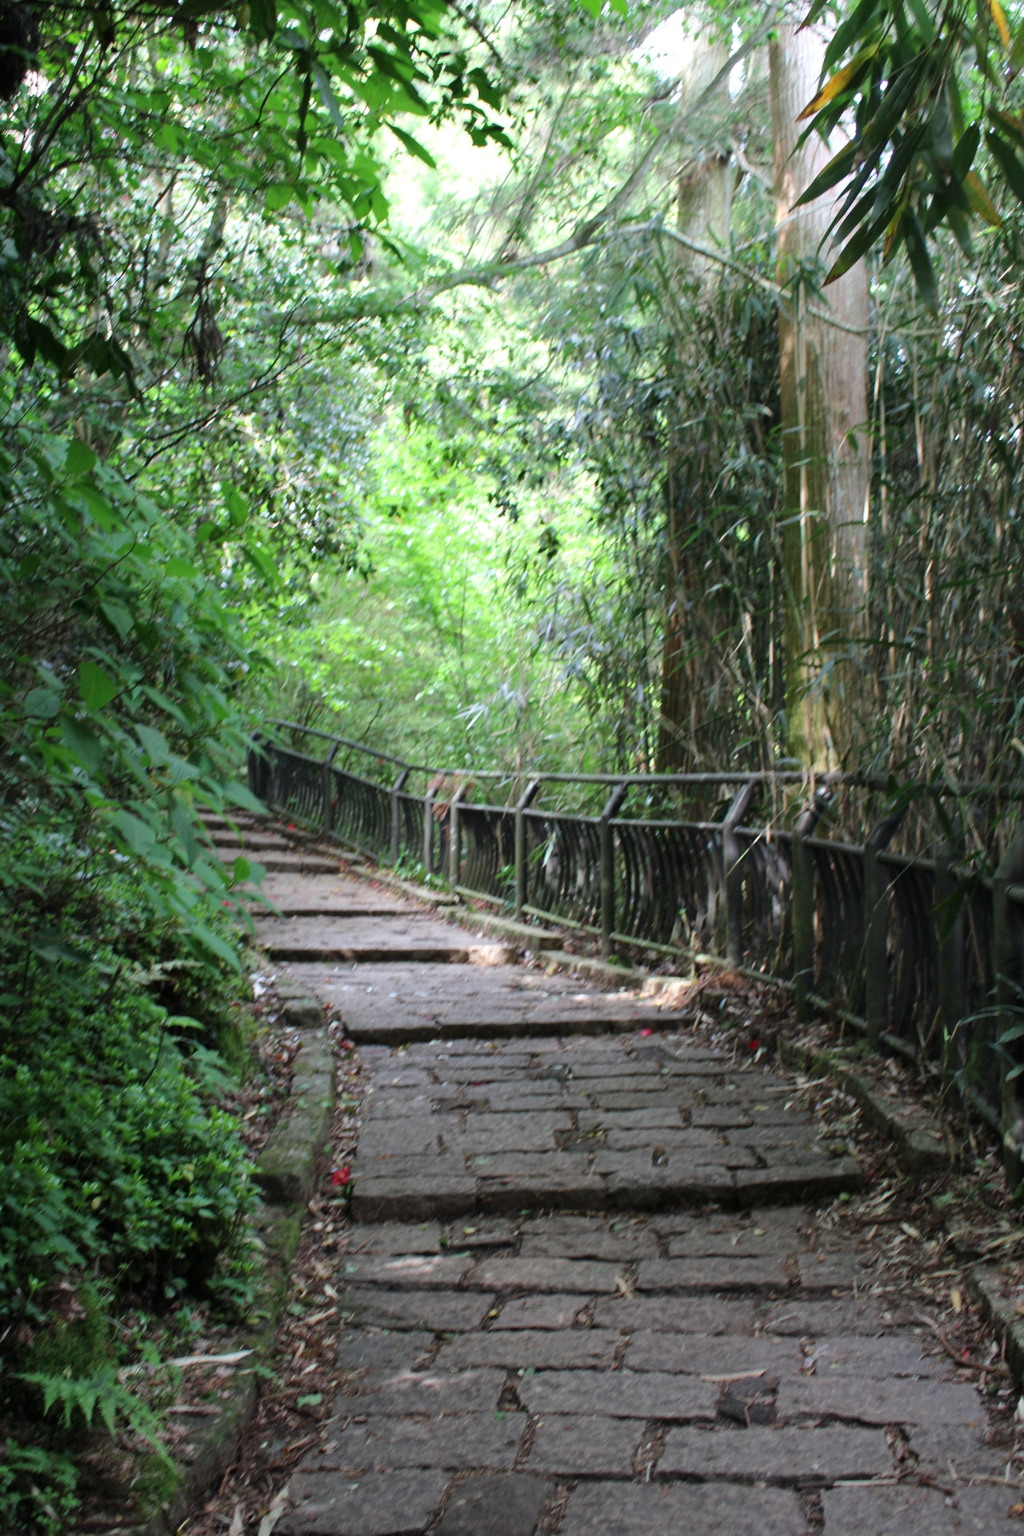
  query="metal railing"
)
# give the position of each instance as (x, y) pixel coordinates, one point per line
(917, 953)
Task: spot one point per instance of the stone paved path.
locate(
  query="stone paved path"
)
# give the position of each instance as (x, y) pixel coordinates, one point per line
(590, 1291)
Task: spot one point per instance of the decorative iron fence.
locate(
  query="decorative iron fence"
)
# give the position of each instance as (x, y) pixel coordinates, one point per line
(917, 953)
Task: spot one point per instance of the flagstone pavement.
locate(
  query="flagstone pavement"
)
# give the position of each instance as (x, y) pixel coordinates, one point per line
(595, 1283)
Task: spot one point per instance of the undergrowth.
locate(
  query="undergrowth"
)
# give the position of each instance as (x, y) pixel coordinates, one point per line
(126, 1185)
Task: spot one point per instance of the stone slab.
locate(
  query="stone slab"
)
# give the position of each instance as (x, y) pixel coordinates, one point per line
(615, 1509)
(621, 1394)
(451, 1441)
(804, 1456)
(864, 1401)
(434, 1311)
(576, 1446)
(909, 1511)
(393, 1503)
(421, 1003)
(323, 939)
(330, 896)
(529, 1349)
(714, 1358)
(497, 1506)
(498, 1149)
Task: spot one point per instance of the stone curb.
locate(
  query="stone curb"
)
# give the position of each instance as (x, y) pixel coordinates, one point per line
(1000, 1301)
(286, 1168)
(918, 1138)
(217, 1440)
(923, 1151)
(601, 971)
(523, 935)
(286, 1172)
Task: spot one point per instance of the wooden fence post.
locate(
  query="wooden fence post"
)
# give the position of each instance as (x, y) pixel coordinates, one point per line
(396, 814)
(607, 850)
(731, 862)
(876, 929)
(1006, 963)
(949, 913)
(522, 885)
(802, 906)
(455, 835)
(326, 809)
(428, 830)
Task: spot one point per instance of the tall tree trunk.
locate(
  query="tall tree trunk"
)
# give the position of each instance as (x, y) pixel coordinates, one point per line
(826, 461)
(703, 209)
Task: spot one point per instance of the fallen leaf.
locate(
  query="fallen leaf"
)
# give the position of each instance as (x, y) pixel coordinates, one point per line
(274, 1513)
(956, 1299)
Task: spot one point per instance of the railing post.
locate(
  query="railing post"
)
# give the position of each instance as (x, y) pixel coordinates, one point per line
(396, 814)
(734, 874)
(612, 805)
(326, 817)
(876, 929)
(802, 906)
(1009, 1013)
(455, 835)
(428, 830)
(522, 804)
(949, 914)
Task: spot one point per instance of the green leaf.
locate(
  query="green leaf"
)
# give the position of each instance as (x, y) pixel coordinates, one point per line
(83, 745)
(327, 96)
(1008, 162)
(238, 794)
(920, 262)
(154, 744)
(42, 703)
(263, 18)
(215, 945)
(96, 687)
(413, 146)
(80, 459)
(138, 835)
(262, 563)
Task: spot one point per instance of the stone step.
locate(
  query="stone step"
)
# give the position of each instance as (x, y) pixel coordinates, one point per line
(403, 1001)
(396, 937)
(636, 1122)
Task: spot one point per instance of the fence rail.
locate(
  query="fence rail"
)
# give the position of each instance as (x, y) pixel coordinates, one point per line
(918, 953)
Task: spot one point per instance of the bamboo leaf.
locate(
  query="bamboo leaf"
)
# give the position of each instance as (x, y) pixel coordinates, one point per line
(838, 83)
(920, 262)
(839, 166)
(1009, 164)
(999, 17)
(980, 201)
(861, 20)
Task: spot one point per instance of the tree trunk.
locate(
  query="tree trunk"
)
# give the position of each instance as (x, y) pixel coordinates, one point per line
(826, 461)
(703, 209)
